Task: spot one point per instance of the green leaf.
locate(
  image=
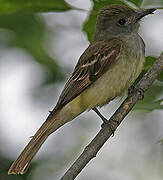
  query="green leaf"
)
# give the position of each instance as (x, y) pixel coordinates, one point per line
(151, 99)
(150, 106)
(160, 77)
(32, 6)
(151, 102)
(149, 62)
(136, 2)
(160, 141)
(89, 25)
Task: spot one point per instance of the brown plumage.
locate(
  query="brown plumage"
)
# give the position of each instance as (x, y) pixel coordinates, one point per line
(95, 61)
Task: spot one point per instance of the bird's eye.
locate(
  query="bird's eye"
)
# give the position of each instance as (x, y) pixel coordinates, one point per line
(122, 21)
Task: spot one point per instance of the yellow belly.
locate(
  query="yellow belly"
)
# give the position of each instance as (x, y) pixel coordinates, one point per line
(111, 84)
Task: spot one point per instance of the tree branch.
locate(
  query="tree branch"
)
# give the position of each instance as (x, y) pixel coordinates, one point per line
(103, 135)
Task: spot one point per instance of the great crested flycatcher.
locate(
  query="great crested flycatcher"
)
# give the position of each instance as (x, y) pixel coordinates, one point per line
(108, 67)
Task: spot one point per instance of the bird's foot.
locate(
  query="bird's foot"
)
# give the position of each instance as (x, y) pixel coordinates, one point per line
(132, 89)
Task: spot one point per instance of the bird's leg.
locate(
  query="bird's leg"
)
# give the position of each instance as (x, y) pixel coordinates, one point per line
(133, 89)
(105, 121)
(100, 115)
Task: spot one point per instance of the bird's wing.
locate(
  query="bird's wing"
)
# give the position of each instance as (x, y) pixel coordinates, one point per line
(93, 63)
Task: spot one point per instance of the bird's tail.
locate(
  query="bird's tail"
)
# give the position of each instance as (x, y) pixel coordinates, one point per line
(53, 122)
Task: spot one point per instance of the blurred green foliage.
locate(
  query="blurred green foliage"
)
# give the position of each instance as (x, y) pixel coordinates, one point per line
(29, 31)
(30, 6)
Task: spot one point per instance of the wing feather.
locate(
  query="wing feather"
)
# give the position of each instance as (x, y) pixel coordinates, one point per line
(93, 63)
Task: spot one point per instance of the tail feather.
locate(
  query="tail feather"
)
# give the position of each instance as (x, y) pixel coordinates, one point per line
(24, 160)
(56, 119)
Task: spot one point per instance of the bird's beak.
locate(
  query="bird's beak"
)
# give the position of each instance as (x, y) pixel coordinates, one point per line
(143, 13)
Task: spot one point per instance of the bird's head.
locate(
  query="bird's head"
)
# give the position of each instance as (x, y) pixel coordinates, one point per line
(116, 20)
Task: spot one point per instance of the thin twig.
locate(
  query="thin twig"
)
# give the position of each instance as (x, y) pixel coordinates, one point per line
(103, 135)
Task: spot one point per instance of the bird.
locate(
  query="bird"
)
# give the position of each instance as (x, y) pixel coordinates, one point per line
(106, 69)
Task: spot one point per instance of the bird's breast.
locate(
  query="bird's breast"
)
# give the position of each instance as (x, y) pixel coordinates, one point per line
(115, 81)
